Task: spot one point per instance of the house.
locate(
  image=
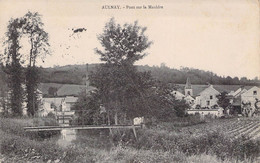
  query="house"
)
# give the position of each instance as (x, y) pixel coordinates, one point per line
(189, 99)
(235, 100)
(69, 102)
(187, 91)
(250, 101)
(207, 98)
(178, 95)
(50, 105)
(57, 105)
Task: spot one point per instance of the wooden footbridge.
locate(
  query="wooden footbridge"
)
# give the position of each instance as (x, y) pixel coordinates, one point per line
(85, 127)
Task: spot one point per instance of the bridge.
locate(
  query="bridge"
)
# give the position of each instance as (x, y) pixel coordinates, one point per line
(85, 127)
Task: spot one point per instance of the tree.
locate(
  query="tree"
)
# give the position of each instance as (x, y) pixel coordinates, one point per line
(123, 45)
(3, 91)
(38, 39)
(13, 65)
(223, 100)
(87, 109)
(117, 81)
(122, 90)
(30, 25)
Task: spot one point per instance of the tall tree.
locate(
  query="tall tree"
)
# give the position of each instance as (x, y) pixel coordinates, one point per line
(3, 91)
(123, 45)
(118, 81)
(39, 47)
(13, 65)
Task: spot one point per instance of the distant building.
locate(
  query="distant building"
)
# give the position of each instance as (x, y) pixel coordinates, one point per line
(208, 97)
(188, 93)
(235, 100)
(203, 101)
(189, 99)
(188, 88)
(178, 95)
(57, 105)
(249, 100)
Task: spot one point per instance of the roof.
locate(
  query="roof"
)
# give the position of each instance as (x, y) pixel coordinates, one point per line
(70, 90)
(220, 88)
(189, 97)
(210, 88)
(44, 87)
(64, 89)
(255, 88)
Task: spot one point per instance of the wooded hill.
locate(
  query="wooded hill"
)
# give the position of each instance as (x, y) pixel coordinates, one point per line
(76, 74)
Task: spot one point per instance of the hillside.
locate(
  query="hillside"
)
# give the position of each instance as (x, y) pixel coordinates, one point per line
(76, 74)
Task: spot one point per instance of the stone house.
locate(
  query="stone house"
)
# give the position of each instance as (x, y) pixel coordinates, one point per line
(250, 101)
(208, 97)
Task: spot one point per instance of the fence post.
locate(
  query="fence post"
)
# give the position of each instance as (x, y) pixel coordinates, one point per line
(134, 132)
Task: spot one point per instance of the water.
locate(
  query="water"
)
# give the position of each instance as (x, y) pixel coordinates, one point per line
(85, 138)
(67, 137)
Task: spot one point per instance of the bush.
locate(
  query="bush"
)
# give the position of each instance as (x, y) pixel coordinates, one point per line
(23, 147)
(15, 126)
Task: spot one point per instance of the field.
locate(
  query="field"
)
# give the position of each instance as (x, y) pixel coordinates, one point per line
(216, 140)
(235, 127)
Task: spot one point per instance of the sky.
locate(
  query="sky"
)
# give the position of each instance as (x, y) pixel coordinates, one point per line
(219, 36)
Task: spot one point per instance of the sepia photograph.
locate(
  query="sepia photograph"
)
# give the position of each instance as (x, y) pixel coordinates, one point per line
(117, 81)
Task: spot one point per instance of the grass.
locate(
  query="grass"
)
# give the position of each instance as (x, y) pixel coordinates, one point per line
(153, 145)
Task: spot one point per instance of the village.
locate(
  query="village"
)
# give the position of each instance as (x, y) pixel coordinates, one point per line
(202, 99)
(129, 82)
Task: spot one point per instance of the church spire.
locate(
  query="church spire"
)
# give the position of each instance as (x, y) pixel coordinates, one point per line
(188, 84)
(188, 88)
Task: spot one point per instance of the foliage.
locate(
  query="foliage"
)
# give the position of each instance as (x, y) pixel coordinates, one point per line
(32, 79)
(122, 45)
(204, 143)
(120, 87)
(30, 25)
(75, 74)
(163, 105)
(215, 143)
(13, 65)
(3, 92)
(87, 109)
(38, 38)
(223, 100)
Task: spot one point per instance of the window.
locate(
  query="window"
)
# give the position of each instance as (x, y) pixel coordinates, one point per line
(188, 92)
(255, 92)
(211, 97)
(208, 103)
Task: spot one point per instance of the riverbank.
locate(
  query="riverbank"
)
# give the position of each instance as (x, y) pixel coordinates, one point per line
(157, 144)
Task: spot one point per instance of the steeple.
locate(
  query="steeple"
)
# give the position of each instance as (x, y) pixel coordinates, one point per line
(188, 84)
(188, 88)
